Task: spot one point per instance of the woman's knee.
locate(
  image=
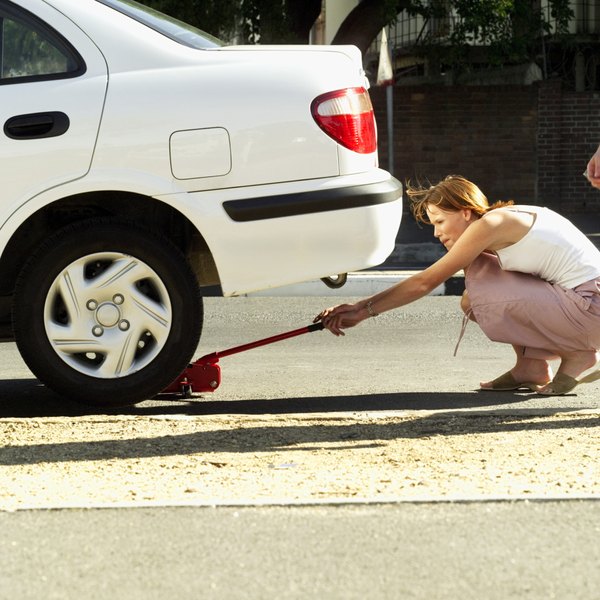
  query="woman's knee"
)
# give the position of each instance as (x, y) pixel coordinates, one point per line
(465, 304)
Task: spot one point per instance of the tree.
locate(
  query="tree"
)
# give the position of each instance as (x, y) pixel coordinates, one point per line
(279, 21)
(367, 19)
(511, 30)
(508, 31)
(251, 21)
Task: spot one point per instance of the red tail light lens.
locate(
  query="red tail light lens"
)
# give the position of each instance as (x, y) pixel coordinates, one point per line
(347, 116)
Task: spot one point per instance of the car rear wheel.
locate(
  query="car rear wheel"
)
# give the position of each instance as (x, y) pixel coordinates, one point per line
(107, 313)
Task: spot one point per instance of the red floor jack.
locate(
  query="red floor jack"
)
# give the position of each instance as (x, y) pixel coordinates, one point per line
(204, 374)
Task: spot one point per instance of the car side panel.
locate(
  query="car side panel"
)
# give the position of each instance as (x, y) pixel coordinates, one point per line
(260, 95)
(271, 134)
(30, 166)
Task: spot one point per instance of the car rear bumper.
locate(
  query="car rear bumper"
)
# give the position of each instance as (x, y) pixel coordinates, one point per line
(269, 236)
(303, 203)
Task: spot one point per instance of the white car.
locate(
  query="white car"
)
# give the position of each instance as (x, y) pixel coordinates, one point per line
(141, 160)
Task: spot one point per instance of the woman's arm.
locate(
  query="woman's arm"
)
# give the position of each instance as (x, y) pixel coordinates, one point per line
(479, 236)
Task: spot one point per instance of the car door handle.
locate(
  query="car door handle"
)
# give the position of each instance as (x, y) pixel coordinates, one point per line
(36, 125)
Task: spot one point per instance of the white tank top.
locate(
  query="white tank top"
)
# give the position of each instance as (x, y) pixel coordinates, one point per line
(553, 249)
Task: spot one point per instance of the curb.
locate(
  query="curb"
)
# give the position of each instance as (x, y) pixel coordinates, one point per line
(361, 283)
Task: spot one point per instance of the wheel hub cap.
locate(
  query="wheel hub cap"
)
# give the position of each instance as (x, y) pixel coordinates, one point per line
(108, 315)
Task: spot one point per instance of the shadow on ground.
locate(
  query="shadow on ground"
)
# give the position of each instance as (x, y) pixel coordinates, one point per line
(294, 435)
(23, 398)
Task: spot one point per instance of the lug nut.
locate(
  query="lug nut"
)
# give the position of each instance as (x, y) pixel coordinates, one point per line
(92, 305)
(124, 325)
(118, 299)
(97, 331)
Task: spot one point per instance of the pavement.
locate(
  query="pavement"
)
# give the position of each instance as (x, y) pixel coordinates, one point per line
(440, 551)
(416, 249)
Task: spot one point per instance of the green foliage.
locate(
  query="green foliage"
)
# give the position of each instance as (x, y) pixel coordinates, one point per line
(247, 21)
(220, 18)
(504, 32)
(511, 31)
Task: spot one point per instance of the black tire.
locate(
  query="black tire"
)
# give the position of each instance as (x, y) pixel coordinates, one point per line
(126, 303)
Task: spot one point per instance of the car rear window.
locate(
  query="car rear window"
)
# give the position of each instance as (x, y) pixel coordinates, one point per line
(30, 50)
(172, 28)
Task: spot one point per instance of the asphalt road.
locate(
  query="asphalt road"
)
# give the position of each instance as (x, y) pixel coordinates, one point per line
(398, 364)
(401, 360)
(492, 551)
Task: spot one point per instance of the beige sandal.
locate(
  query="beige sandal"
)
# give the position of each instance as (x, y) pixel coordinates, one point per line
(563, 383)
(507, 383)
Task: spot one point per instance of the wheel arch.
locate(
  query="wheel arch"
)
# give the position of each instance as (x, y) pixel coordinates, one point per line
(144, 210)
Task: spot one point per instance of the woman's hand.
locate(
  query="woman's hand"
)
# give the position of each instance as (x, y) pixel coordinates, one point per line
(341, 317)
(592, 171)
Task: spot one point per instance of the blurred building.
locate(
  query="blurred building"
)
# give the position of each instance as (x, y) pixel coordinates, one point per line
(573, 58)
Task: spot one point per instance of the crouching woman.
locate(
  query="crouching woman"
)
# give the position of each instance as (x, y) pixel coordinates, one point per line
(532, 280)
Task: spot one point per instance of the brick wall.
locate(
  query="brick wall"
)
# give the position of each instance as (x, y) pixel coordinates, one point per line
(526, 143)
(568, 134)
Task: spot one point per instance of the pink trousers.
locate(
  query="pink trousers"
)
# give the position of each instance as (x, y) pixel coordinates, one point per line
(524, 310)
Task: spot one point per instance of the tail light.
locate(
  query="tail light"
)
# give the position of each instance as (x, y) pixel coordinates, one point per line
(347, 116)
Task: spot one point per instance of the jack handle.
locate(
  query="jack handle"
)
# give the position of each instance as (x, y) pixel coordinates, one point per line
(213, 357)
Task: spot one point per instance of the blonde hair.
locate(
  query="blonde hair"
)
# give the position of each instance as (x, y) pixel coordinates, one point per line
(453, 193)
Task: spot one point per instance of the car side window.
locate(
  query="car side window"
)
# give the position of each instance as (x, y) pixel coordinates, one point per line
(30, 50)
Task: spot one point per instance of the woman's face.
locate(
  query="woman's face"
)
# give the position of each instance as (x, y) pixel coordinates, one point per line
(448, 225)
